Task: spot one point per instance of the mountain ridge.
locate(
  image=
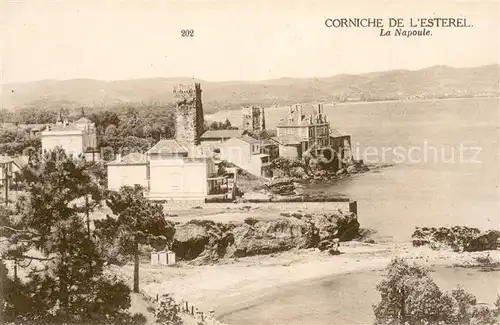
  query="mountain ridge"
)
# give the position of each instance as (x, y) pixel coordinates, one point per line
(432, 82)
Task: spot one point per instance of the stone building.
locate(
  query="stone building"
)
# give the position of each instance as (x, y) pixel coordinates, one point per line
(189, 120)
(312, 127)
(299, 132)
(253, 118)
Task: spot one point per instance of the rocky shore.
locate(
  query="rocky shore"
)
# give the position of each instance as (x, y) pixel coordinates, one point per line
(458, 238)
(206, 241)
(291, 188)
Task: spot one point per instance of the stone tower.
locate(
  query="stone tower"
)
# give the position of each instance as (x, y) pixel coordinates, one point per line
(295, 115)
(189, 119)
(253, 118)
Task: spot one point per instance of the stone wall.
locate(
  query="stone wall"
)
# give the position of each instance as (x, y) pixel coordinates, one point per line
(346, 206)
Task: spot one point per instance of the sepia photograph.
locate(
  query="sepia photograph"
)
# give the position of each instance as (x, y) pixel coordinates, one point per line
(279, 162)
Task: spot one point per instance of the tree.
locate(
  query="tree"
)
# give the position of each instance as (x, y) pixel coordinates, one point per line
(103, 119)
(111, 131)
(138, 221)
(410, 296)
(216, 125)
(147, 131)
(266, 134)
(15, 142)
(67, 283)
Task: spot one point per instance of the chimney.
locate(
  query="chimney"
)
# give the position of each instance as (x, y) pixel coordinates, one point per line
(320, 108)
(119, 157)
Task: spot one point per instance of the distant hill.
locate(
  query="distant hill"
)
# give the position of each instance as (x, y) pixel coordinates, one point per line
(433, 82)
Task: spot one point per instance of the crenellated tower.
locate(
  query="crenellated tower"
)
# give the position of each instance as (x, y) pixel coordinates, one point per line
(253, 118)
(189, 119)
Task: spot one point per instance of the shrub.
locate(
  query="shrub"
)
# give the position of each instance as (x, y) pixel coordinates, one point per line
(167, 313)
(251, 221)
(410, 296)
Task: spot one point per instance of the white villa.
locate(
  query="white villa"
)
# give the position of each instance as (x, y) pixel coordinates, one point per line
(75, 138)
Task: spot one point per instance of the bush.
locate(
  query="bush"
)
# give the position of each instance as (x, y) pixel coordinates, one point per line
(167, 312)
(410, 296)
(251, 221)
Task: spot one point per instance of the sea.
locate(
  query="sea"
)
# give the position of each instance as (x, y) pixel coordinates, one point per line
(438, 166)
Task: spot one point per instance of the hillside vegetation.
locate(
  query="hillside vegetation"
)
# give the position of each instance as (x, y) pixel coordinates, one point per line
(433, 82)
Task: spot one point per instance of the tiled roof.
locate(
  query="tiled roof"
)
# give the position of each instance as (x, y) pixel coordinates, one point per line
(288, 140)
(168, 146)
(22, 160)
(37, 127)
(133, 158)
(210, 134)
(337, 133)
(248, 139)
(267, 142)
(83, 120)
(172, 146)
(69, 127)
(5, 159)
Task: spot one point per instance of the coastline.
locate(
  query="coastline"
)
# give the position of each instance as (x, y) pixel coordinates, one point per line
(211, 115)
(236, 284)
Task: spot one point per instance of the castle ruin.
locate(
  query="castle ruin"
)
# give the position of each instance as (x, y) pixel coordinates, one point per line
(253, 118)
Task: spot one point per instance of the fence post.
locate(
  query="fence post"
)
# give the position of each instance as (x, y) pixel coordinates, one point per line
(192, 310)
(187, 307)
(157, 298)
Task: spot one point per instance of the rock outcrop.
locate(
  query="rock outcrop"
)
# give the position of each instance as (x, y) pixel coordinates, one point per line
(204, 240)
(266, 237)
(457, 238)
(281, 186)
(207, 241)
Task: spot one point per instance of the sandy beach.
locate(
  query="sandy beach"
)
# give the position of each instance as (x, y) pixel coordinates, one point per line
(231, 284)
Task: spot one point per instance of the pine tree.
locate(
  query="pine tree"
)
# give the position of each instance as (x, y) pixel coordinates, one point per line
(68, 284)
(138, 221)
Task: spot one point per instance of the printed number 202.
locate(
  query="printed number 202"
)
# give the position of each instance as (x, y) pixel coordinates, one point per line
(187, 33)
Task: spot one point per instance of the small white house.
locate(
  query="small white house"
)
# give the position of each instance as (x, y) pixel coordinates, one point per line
(75, 138)
(130, 170)
(179, 171)
(245, 152)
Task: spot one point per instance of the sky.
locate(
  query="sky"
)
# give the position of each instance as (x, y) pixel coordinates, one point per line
(244, 40)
